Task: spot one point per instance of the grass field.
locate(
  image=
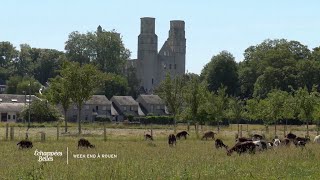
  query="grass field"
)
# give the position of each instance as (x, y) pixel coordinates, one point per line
(140, 159)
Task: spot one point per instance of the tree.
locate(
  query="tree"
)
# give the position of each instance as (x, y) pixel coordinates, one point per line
(103, 48)
(219, 103)
(133, 82)
(110, 50)
(114, 85)
(81, 82)
(171, 91)
(8, 54)
(307, 104)
(40, 111)
(28, 85)
(271, 64)
(78, 47)
(21, 85)
(236, 110)
(276, 106)
(222, 69)
(195, 98)
(58, 93)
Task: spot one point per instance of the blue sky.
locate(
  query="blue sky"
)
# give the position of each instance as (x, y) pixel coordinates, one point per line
(211, 26)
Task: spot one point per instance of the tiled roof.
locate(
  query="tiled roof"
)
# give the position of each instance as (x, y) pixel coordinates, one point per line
(98, 99)
(16, 98)
(152, 99)
(124, 100)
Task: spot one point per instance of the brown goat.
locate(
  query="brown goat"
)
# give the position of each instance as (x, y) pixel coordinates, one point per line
(208, 134)
(172, 140)
(242, 147)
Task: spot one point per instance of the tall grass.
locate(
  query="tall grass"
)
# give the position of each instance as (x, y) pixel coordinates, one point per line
(140, 159)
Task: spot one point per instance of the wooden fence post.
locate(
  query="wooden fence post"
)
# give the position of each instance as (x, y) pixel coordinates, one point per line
(7, 132)
(241, 130)
(151, 131)
(11, 133)
(43, 136)
(58, 132)
(104, 132)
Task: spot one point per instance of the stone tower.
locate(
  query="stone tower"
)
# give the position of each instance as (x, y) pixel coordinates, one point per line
(152, 66)
(147, 53)
(177, 43)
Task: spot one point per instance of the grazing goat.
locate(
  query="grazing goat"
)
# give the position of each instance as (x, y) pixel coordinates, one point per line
(302, 139)
(208, 134)
(219, 144)
(270, 144)
(148, 136)
(25, 144)
(243, 139)
(261, 145)
(182, 134)
(257, 137)
(285, 141)
(172, 140)
(299, 143)
(276, 142)
(291, 136)
(317, 139)
(240, 148)
(85, 143)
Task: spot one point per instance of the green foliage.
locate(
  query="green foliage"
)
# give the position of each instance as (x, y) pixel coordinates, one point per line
(222, 70)
(218, 105)
(156, 120)
(12, 84)
(171, 91)
(22, 85)
(114, 85)
(236, 110)
(103, 48)
(40, 111)
(195, 100)
(272, 65)
(80, 82)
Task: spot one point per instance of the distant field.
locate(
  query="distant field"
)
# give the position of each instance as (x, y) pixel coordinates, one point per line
(140, 159)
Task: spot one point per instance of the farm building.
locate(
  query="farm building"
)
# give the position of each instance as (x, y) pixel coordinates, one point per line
(11, 105)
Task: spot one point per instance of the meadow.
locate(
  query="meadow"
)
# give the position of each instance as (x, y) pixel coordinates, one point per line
(137, 158)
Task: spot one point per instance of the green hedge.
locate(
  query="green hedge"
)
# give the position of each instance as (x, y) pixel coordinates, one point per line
(155, 120)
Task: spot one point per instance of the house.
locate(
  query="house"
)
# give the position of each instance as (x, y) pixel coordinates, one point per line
(125, 105)
(11, 105)
(151, 104)
(98, 106)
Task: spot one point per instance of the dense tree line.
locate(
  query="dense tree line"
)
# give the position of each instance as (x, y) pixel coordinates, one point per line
(276, 82)
(33, 67)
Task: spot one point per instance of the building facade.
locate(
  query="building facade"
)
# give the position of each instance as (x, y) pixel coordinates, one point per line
(152, 65)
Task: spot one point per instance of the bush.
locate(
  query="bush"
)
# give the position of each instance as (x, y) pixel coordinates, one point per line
(40, 111)
(102, 119)
(156, 120)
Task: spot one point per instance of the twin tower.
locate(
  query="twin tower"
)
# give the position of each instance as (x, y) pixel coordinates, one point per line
(153, 65)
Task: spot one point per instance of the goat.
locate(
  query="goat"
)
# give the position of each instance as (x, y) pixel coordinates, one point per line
(317, 139)
(85, 143)
(242, 147)
(172, 140)
(219, 144)
(148, 136)
(208, 134)
(25, 144)
(182, 134)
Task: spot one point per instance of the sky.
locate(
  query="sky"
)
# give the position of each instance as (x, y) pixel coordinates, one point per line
(211, 25)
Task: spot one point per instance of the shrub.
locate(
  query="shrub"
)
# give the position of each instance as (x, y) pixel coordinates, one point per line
(156, 120)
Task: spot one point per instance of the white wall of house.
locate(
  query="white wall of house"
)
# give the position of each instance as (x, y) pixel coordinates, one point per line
(11, 117)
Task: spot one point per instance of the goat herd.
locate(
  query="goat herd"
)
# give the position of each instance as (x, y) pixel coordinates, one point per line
(249, 145)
